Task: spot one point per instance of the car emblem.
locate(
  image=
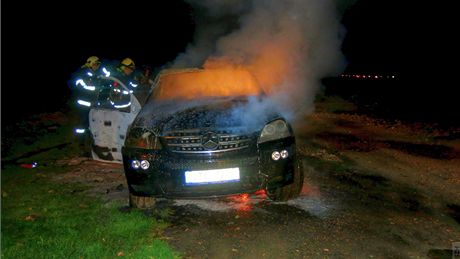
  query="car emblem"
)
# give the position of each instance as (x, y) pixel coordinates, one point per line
(210, 141)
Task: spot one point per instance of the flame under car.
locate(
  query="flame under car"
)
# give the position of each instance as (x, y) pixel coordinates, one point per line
(198, 136)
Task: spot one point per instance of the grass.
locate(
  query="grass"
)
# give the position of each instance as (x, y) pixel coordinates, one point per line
(41, 218)
(35, 141)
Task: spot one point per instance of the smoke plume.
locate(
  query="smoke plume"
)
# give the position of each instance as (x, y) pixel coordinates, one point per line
(289, 45)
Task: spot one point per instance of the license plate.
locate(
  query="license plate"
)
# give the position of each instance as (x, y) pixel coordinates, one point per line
(212, 176)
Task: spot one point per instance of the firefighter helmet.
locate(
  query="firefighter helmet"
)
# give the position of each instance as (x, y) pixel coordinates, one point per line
(127, 62)
(91, 61)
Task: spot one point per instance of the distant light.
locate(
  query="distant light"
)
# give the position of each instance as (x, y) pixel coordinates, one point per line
(392, 76)
(133, 85)
(125, 92)
(89, 73)
(376, 77)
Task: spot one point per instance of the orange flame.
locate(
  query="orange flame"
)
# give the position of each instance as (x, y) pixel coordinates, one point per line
(211, 82)
(266, 75)
(273, 62)
(270, 68)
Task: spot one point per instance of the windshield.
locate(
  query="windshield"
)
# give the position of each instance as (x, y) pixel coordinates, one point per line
(196, 84)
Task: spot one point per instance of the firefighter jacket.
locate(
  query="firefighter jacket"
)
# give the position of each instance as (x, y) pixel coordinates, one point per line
(118, 88)
(85, 88)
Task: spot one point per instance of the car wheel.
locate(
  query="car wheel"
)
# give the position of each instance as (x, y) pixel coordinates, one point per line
(289, 191)
(141, 202)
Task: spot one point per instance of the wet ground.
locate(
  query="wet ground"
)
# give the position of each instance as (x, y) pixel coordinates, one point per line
(372, 189)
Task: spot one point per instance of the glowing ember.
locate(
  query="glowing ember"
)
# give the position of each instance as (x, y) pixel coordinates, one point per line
(244, 197)
(240, 198)
(261, 194)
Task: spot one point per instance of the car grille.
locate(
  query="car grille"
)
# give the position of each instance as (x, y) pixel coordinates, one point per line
(194, 141)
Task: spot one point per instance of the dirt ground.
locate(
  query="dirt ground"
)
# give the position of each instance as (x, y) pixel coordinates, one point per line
(372, 189)
(103, 180)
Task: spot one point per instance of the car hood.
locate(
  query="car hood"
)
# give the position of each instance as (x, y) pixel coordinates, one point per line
(246, 114)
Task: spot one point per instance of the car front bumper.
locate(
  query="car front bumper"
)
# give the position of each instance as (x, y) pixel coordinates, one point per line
(166, 175)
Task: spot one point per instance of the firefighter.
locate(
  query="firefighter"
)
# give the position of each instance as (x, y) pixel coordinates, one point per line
(145, 79)
(124, 74)
(84, 87)
(127, 66)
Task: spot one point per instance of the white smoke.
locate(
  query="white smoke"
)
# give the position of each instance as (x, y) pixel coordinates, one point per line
(289, 45)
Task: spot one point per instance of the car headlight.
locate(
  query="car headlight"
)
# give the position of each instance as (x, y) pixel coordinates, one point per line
(142, 138)
(277, 129)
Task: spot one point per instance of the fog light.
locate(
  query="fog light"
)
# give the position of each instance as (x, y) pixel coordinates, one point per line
(276, 155)
(284, 154)
(135, 164)
(145, 164)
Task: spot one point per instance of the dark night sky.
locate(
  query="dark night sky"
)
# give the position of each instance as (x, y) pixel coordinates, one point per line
(400, 36)
(44, 42)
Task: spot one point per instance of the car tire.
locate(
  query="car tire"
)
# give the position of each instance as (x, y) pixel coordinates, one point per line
(289, 191)
(141, 202)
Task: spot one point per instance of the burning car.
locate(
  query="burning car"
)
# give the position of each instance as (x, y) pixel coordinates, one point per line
(198, 136)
